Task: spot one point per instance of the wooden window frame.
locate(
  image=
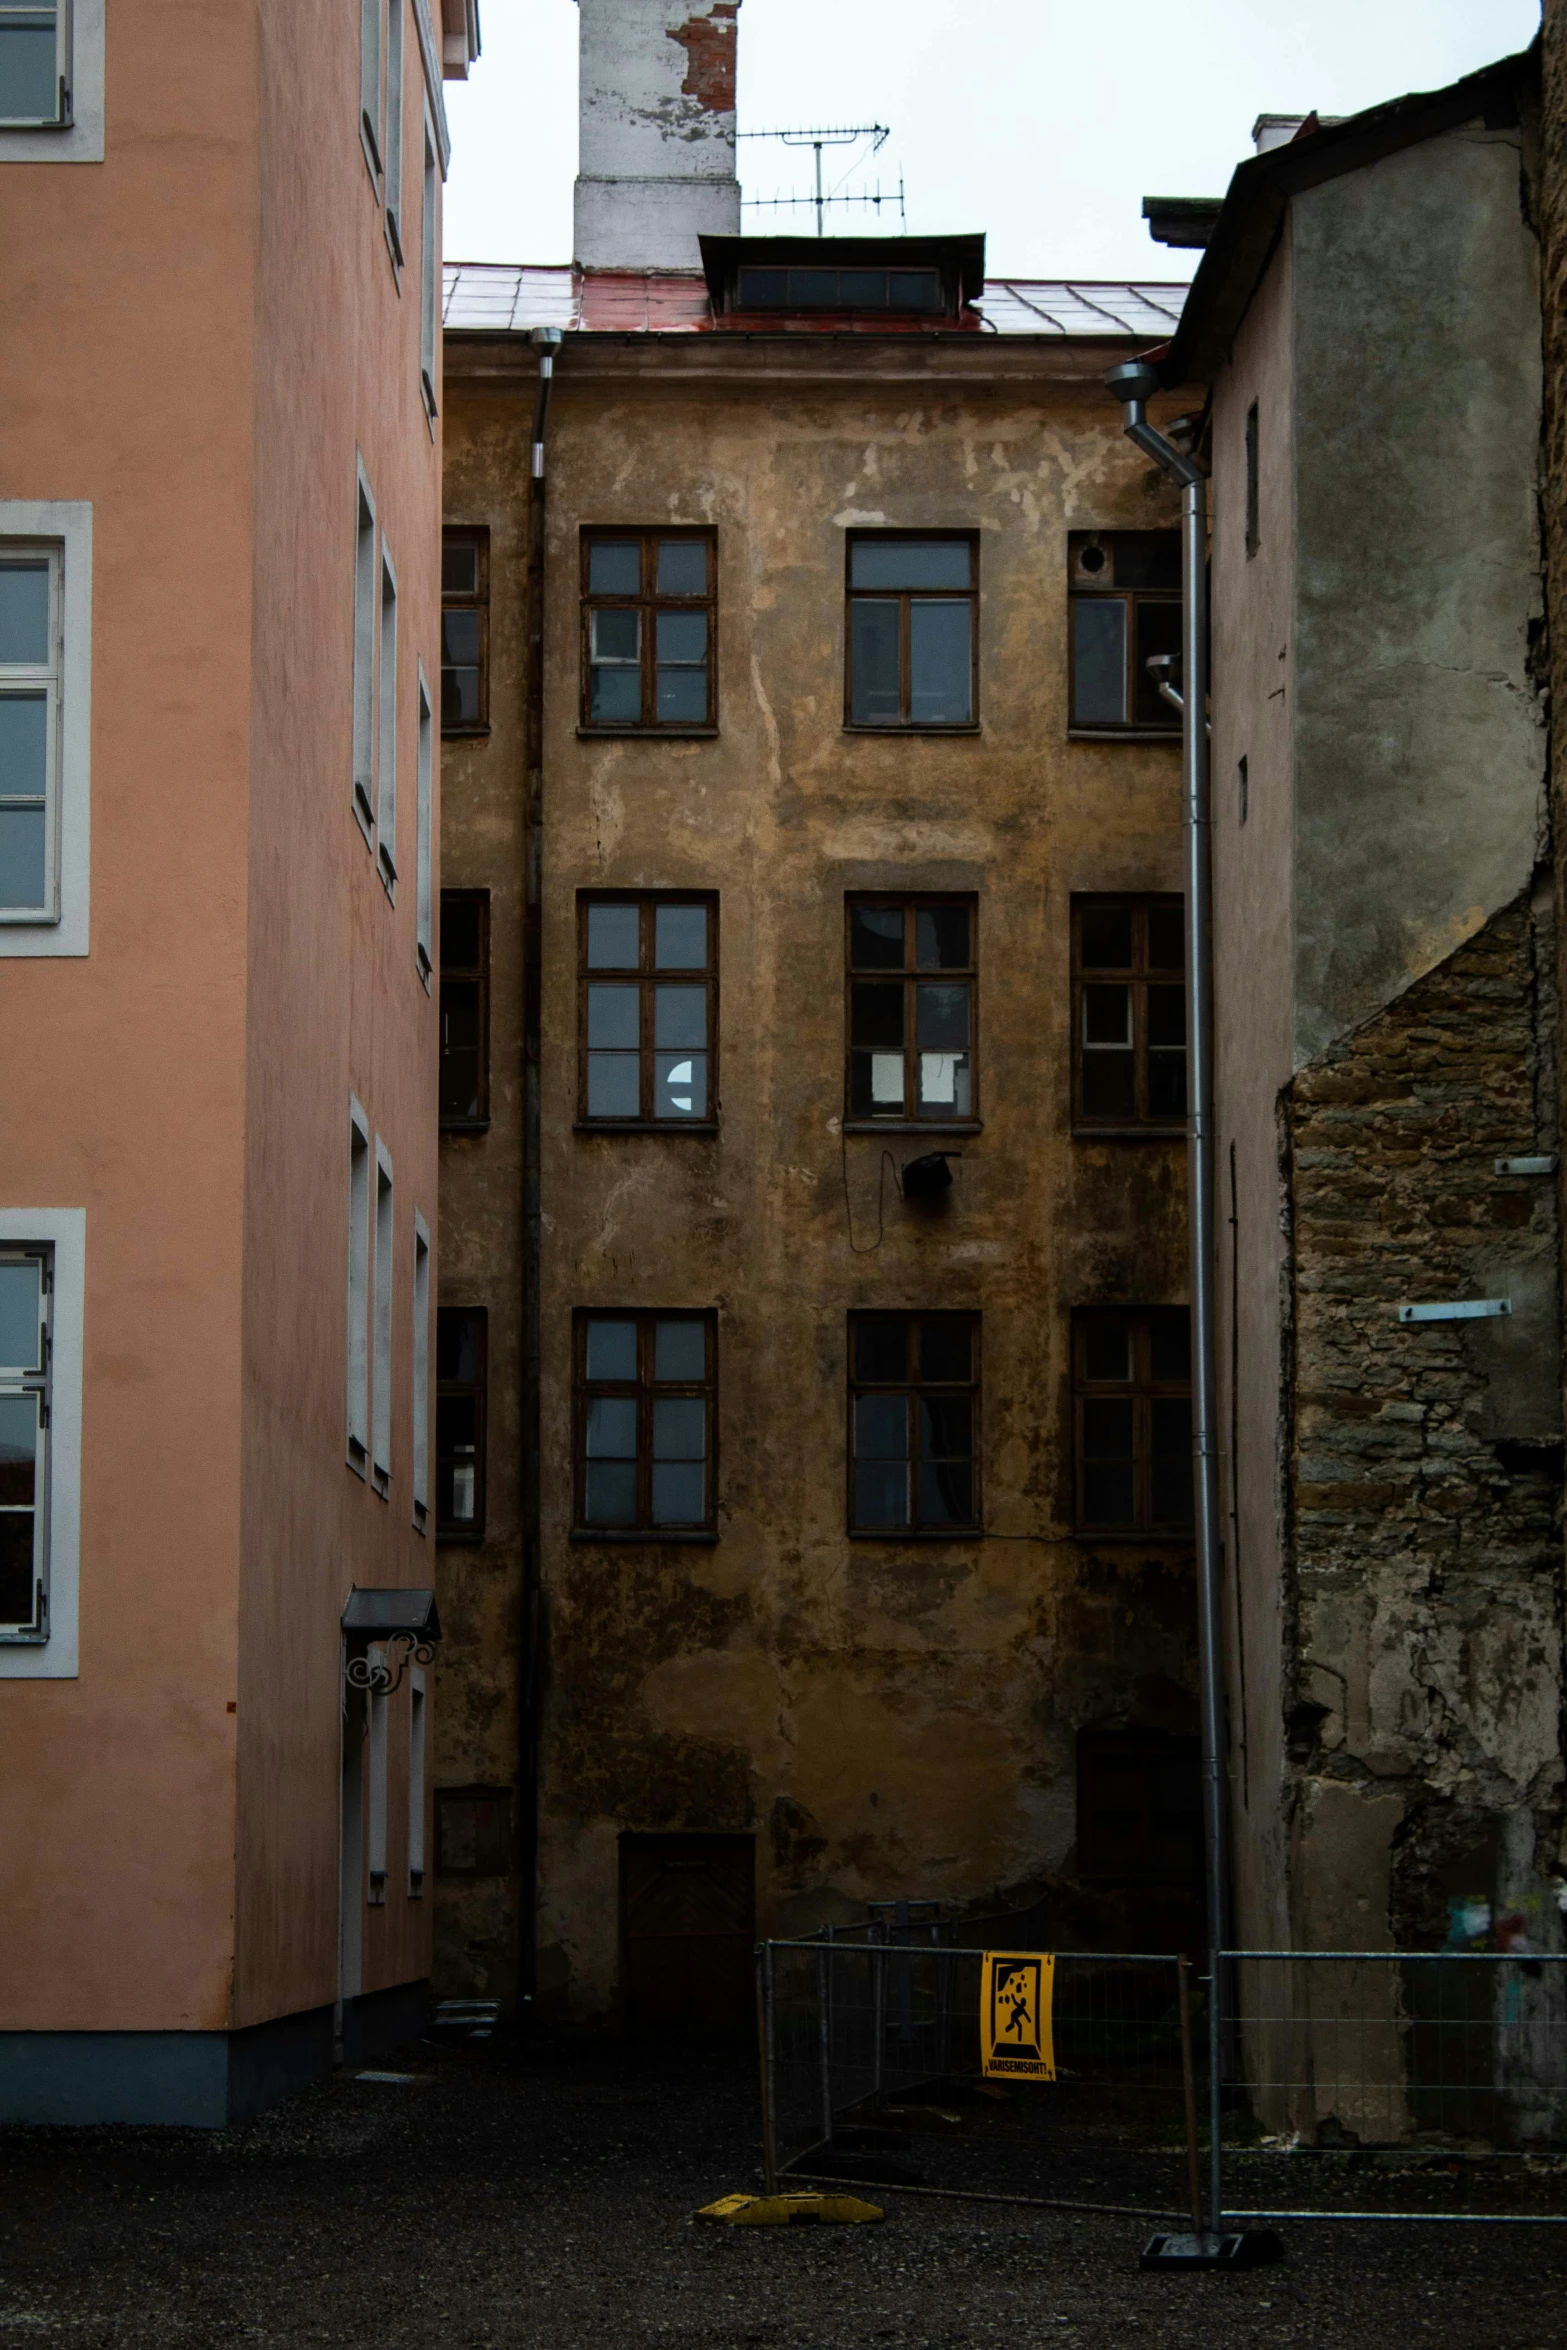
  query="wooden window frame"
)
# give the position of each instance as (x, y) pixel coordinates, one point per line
(1139, 975)
(910, 902)
(913, 1387)
(500, 1845)
(480, 975)
(1142, 1390)
(477, 536)
(1166, 1761)
(1081, 591)
(645, 1389)
(647, 976)
(469, 1531)
(649, 604)
(905, 598)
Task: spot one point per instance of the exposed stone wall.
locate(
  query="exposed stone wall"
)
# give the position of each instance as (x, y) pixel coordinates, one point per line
(1426, 1557)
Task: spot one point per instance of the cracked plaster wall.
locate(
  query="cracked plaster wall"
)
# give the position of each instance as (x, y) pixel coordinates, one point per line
(656, 137)
(1386, 1032)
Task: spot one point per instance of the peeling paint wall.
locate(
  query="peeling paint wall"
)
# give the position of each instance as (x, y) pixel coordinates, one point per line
(656, 135)
(1387, 1030)
(887, 1718)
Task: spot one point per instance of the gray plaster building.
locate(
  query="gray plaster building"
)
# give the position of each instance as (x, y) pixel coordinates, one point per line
(1366, 317)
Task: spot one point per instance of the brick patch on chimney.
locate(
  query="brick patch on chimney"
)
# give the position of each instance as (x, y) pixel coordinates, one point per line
(709, 44)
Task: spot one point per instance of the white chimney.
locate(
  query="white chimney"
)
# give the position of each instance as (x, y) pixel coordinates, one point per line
(656, 131)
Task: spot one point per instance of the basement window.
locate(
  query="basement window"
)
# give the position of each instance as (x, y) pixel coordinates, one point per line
(912, 650)
(1125, 594)
(1133, 1415)
(648, 1022)
(911, 984)
(649, 623)
(644, 1423)
(913, 1414)
(1128, 1015)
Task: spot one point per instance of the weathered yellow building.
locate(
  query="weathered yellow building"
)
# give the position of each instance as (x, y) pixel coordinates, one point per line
(815, 1527)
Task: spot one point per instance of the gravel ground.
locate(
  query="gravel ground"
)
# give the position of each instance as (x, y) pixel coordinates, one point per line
(543, 2197)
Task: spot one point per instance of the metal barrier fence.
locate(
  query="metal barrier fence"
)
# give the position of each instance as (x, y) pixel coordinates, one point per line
(871, 2071)
(1366, 2085)
(1403, 2085)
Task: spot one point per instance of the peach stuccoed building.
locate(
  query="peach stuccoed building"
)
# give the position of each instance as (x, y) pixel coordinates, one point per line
(219, 602)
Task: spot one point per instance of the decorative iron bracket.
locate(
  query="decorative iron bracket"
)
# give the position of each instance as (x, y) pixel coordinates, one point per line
(376, 1674)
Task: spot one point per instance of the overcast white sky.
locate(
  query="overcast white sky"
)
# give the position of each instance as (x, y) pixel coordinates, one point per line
(1042, 122)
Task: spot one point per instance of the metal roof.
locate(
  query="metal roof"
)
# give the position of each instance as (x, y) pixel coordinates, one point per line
(493, 297)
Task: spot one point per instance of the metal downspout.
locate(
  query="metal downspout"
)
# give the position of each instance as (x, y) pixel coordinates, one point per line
(545, 340)
(1132, 385)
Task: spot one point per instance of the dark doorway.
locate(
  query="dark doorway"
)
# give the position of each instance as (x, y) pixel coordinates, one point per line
(687, 1934)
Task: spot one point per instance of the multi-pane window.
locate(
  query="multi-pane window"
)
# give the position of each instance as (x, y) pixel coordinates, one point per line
(911, 1009)
(30, 650)
(1133, 1402)
(911, 636)
(25, 1288)
(393, 136)
(644, 1422)
(1129, 1013)
(386, 788)
(465, 631)
(648, 622)
(358, 1351)
(424, 852)
(366, 629)
(913, 1413)
(1126, 607)
(34, 61)
(649, 997)
(465, 1009)
(420, 1479)
(1139, 1808)
(839, 289)
(429, 278)
(461, 1394)
(381, 1324)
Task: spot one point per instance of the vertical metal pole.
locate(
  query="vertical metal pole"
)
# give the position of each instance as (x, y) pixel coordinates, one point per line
(824, 1977)
(1205, 1430)
(764, 2034)
(820, 228)
(1189, 2087)
(878, 2003)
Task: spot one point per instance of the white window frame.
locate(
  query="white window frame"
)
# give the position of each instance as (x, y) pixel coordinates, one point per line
(421, 1375)
(63, 528)
(64, 1232)
(381, 1323)
(78, 137)
(417, 1735)
(359, 1209)
(371, 119)
(386, 758)
(392, 144)
(424, 883)
(366, 631)
(375, 1792)
(429, 277)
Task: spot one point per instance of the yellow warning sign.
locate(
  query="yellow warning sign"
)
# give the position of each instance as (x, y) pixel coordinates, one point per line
(1016, 1993)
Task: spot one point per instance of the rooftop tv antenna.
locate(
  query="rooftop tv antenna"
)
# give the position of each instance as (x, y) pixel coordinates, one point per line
(837, 135)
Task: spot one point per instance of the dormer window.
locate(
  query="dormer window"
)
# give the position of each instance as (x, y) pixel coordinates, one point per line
(840, 289)
(844, 284)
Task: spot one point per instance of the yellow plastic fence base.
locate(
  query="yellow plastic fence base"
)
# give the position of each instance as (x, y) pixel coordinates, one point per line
(778, 2211)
